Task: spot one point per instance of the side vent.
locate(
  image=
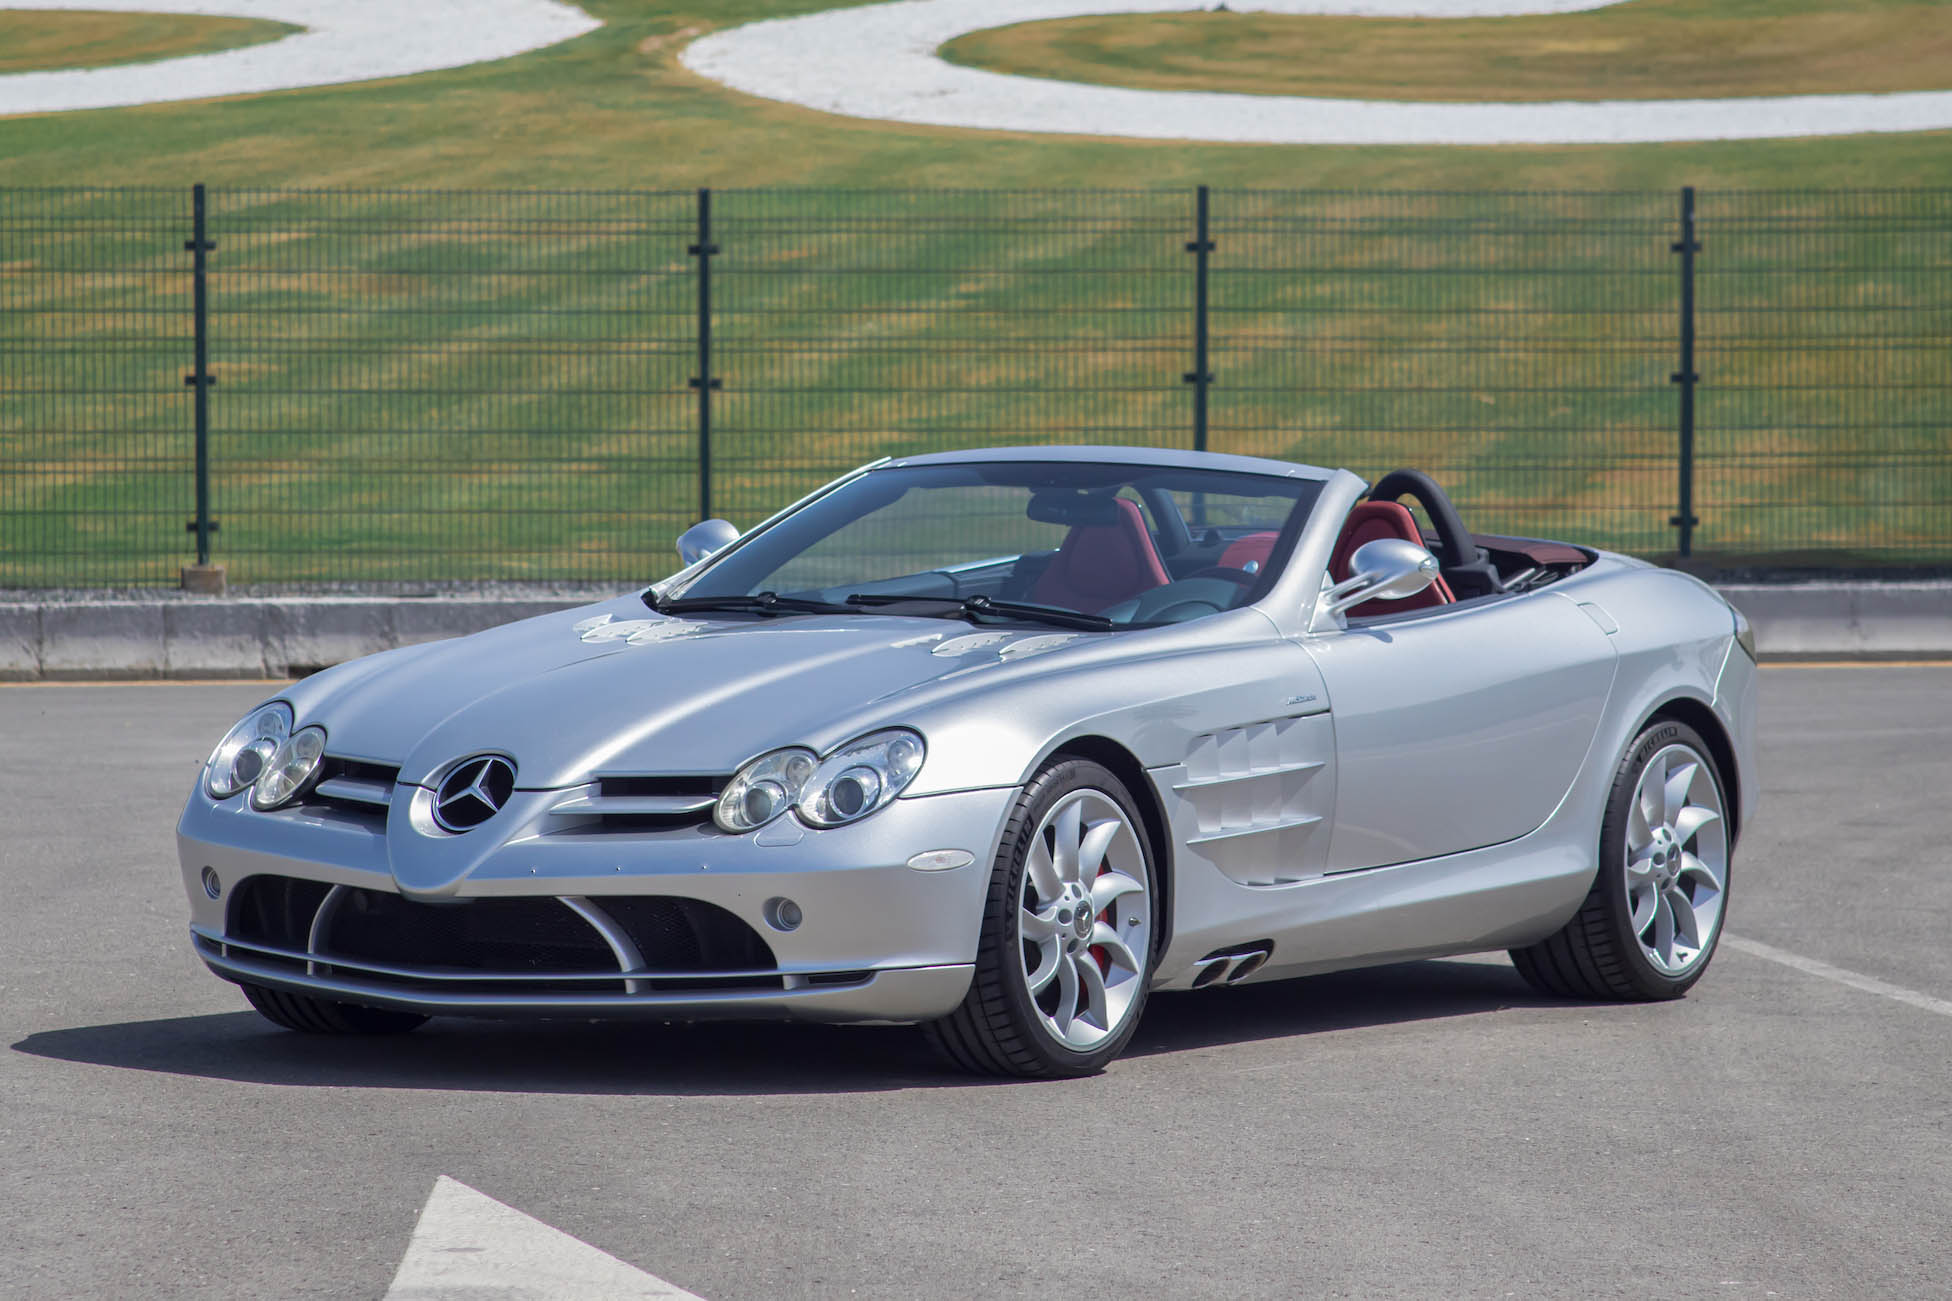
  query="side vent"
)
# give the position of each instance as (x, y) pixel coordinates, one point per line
(1253, 797)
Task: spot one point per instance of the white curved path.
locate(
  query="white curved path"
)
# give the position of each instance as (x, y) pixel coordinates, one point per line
(343, 40)
(879, 62)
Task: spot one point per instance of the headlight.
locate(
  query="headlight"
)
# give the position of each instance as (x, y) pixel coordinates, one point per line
(764, 789)
(850, 783)
(1744, 633)
(289, 769)
(861, 777)
(246, 749)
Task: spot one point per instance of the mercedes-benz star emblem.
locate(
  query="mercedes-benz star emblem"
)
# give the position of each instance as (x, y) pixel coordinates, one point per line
(474, 792)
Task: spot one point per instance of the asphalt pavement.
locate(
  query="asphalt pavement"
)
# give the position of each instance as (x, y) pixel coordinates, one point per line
(1432, 1129)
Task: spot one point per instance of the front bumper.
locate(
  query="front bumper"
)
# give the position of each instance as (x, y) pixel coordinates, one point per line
(880, 941)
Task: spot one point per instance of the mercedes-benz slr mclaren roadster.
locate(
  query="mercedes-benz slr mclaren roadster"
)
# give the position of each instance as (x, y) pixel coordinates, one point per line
(999, 742)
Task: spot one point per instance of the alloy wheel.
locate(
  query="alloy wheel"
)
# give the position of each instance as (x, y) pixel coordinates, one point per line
(1084, 919)
(1676, 859)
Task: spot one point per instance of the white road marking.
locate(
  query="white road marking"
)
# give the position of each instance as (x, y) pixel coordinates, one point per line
(469, 1246)
(879, 61)
(343, 40)
(1823, 970)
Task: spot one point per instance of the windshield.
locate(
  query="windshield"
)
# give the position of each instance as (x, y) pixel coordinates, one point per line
(1121, 545)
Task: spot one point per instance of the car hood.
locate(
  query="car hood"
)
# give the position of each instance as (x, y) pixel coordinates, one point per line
(614, 688)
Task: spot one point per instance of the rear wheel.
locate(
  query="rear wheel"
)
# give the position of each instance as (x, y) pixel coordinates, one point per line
(1066, 948)
(1650, 923)
(310, 1015)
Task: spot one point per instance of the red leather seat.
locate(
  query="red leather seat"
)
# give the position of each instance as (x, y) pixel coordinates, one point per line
(1253, 549)
(1382, 519)
(1102, 564)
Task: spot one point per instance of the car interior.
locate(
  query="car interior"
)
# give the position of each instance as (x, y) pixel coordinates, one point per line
(1135, 570)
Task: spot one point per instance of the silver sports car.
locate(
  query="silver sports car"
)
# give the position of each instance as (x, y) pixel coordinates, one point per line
(998, 742)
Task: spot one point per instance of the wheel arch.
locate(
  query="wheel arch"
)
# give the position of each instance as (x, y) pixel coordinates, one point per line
(1695, 714)
(1125, 766)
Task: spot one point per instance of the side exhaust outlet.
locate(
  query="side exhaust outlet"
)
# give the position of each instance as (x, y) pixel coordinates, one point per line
(1229, 966)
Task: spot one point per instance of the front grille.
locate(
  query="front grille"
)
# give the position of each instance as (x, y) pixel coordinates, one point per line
(512, 935)
(638, 804)
(528, 944)
(626, 787)
(351, 790)
(687, 934)
(275, 910)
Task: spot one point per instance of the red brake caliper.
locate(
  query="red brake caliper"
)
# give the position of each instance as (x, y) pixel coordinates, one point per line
(1097, 951)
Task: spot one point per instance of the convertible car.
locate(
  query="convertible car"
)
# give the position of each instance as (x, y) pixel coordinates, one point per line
(998, 742)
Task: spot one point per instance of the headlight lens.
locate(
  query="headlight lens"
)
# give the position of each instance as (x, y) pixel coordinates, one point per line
(861, 776)
(1744, 633)
(246, 749)
(764, 789)
(289, 768)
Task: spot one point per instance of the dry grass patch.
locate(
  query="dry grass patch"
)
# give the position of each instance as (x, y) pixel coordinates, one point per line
(1647, 49)
(38, 41)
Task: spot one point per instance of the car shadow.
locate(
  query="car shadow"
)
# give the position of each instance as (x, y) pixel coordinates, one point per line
(1343, 1000)
(731, 1058)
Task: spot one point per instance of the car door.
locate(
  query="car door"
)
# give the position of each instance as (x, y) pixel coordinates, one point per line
(1459, 727)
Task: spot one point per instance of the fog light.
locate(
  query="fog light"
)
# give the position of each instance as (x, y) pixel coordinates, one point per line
(211, 885)
(783, 914)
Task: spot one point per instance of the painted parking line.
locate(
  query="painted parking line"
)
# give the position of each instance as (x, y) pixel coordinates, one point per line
(468, 1245)
(1838, 975)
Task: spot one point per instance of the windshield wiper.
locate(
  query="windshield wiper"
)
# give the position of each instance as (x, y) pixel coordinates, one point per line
(974, 607)
(758, 603)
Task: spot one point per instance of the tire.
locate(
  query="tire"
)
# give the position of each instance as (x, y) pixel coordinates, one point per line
(1055, 997)
(1650, 924)
(310, 1015)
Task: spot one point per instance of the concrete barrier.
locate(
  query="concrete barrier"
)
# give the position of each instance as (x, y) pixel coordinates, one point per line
(254, 637)
(217, 637)
(1848, 620)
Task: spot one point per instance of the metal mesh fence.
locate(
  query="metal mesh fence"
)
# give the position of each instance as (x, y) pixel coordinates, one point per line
(417, 386)
(449, 385)
(854, 325)
(1515, 346)
(1825, 325)
(96, 442)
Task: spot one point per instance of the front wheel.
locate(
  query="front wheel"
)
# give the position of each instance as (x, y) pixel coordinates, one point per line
(1651, 921)
(1065, 953)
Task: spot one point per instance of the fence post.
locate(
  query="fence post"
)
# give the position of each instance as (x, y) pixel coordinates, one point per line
(704, 381)
(1199, 377)
(1687, 246)
(200, 379)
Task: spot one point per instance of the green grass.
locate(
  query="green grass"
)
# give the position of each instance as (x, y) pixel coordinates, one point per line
(42, 40)
(1643, 49)
(420, 386)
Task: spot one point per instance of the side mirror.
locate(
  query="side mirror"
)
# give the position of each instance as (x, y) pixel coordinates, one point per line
(1387, 569)
(701, 540)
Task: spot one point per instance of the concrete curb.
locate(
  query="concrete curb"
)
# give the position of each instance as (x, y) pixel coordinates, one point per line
(224, 638)
(276, 637)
